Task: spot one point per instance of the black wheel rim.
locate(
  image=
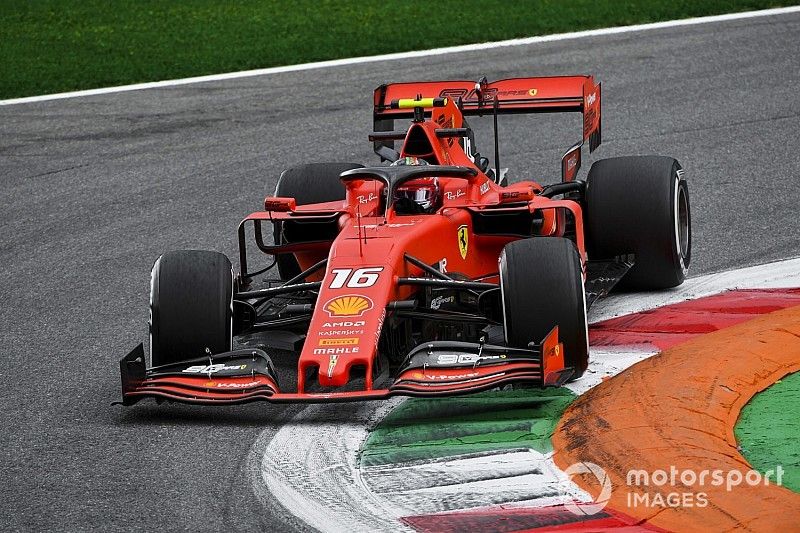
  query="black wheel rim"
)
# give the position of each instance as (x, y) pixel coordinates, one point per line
(682, 221)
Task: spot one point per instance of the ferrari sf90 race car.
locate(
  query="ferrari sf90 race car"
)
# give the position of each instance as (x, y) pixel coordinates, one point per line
(423, 275)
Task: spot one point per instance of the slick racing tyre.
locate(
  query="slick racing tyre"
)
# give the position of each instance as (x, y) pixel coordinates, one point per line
(640, 205)
(307, 184)
(541, 284)
(191, 306)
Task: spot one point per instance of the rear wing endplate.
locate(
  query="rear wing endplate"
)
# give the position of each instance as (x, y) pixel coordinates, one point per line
(553, 94)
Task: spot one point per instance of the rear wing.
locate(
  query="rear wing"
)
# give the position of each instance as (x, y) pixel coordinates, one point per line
(553, 94)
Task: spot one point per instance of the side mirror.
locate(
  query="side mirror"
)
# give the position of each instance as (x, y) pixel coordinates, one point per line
(279, 204)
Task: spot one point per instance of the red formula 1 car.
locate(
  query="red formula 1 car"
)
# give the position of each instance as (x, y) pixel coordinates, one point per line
(428, 276)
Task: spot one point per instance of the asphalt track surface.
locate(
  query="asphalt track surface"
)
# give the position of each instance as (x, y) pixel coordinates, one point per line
(93, 189)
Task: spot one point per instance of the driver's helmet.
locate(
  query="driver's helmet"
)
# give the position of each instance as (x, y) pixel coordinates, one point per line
(421, 195)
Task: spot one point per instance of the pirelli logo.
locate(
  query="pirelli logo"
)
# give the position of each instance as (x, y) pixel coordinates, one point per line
(348, 341)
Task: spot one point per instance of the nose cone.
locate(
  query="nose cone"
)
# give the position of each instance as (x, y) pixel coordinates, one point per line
(336, 373)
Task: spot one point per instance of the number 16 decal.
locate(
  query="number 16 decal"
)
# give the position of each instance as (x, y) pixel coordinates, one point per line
(355, 279)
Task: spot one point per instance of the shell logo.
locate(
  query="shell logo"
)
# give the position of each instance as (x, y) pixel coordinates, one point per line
(350, 305)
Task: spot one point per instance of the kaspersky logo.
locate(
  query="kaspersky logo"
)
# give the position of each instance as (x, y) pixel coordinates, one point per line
(350, 305)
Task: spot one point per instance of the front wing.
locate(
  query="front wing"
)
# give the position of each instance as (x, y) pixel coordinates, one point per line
(439, 368)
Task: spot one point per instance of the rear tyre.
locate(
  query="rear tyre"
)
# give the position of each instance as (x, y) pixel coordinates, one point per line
(191, 306)
(640, 205)
(541, 284)
(308, 184)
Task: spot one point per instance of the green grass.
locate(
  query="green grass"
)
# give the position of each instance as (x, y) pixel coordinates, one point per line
(51, 46)
(768, 427)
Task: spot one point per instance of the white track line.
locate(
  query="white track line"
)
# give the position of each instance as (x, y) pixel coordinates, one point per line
(409, 55)
(607, 362)
(312, 468)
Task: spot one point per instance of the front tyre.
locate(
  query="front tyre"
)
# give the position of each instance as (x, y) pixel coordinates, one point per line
(541, 284)
(191, 306)
(640, 205)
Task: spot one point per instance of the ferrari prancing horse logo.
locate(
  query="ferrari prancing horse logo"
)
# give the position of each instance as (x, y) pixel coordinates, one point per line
(463, 241)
